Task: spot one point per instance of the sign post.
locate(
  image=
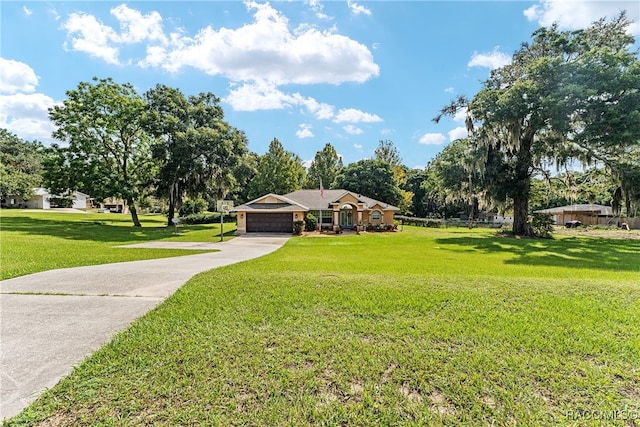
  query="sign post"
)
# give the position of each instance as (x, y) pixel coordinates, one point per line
(175, 222)
(224, 207)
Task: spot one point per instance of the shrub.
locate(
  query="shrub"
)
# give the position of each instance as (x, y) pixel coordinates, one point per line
(298, 226)
(542, 225)
(190, 207)
(201, 218)
(311, 222)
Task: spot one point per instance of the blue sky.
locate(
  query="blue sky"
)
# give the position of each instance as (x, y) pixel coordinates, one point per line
(306, 72)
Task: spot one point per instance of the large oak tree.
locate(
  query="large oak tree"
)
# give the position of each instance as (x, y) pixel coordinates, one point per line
(196, 150)
(566, 95)
(102, 123)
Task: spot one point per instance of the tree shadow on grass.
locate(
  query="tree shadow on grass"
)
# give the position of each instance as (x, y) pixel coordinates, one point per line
(573, 252)
(98, 231)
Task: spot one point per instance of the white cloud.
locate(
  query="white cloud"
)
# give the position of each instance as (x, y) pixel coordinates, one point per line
(55, 14)
(432, 139)
(351, 115)
(320, 110)
(358, 146)
(304, 131)
(458, 133)
(262, 95)
(461, 115)
(22, 112)
(258, 96)
(27, 115)
(27, 11)
(88, 35)
(307, 163)
(353, 130)
(576, 14)
(449, 90)
(358, 9)
(267, 49)
(16, 76)
(264, 49)
(493, 59)
(317, 8)
(135, 27)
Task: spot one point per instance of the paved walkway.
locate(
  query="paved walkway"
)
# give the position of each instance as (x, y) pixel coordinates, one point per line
(51, 321)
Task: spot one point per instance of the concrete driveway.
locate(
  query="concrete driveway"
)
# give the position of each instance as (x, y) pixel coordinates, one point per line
(51, 321)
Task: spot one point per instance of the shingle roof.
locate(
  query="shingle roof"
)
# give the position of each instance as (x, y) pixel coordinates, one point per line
(305, 200)
(288, 205)
(600, 209)
(312, 199)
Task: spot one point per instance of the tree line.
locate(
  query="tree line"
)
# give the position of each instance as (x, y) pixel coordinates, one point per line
(565, 97)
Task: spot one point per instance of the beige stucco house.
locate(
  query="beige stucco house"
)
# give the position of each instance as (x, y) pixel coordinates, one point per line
(276, 213)
(588, 214)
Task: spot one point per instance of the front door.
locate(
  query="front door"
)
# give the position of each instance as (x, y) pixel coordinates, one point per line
(346, 218)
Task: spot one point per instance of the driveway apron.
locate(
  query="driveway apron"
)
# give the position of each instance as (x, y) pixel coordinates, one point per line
(51, 321)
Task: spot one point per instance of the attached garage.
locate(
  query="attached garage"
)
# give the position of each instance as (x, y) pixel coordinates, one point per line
(269, 222)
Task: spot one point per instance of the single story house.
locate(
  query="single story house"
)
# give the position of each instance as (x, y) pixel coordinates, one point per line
(587, 214)
(276, 213)
(41, 199)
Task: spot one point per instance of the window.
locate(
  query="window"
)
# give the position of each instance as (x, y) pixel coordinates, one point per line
(376, 215)
(327, 216)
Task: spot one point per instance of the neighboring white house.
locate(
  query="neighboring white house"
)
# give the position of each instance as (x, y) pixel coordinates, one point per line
(41, 199)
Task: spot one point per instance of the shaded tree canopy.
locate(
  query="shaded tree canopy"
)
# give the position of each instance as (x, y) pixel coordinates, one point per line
(196, 150)
(372, 178)
(20, 166)
(102, 122)
(278, 171)
(325, 167)
(566, 95)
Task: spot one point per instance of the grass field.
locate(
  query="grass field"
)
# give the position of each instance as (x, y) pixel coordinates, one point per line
(420, 327)
(40, 241)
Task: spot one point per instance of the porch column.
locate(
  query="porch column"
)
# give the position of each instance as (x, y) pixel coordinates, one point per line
(336, 217)
(359, 217)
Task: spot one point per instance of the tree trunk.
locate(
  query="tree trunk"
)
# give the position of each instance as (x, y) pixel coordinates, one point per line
(172, 206)
(522, 187)
(134, 212)
(521, 226)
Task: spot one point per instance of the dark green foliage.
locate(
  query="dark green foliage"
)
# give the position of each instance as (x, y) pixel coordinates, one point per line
(566, 95)
(192, 206)
(278, 171)
(372, 178)
(108, 149)
(542, 225)
(20, 166)
(311, 222)
(325, 167)
(206, 218)
(298, 226)
(197, 152)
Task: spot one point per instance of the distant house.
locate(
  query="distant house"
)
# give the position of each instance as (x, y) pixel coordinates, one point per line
(42, 199)
(587, 214)
(276, 213)
(494, 218)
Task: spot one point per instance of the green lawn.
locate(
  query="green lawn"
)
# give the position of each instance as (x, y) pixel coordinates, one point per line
(420, 327)
(39, 241)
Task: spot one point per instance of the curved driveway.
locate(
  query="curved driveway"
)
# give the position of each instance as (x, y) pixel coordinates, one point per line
(51, 321)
